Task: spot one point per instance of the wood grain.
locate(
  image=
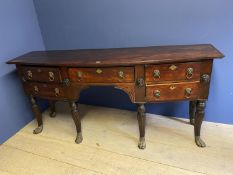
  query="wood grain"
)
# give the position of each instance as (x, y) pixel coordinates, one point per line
(119, 56)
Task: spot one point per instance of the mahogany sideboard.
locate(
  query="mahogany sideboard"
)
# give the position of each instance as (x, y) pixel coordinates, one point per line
(147, 74)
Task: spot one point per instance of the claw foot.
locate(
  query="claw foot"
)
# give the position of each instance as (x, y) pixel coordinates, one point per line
(38, 130)
(52, 114)
(192, 121)
(142, 143)
(79, 138)
(199, 141)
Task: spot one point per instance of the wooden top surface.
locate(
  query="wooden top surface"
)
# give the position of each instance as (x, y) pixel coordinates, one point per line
(119, 56)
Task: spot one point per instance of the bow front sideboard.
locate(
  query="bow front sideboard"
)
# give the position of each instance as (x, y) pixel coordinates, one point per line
(147, 74)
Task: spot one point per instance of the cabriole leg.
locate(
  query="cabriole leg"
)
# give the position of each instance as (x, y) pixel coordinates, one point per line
(141, 116)
(52, 108)
(77, 121)
(200, 112)
(192, 111)
(38, 116)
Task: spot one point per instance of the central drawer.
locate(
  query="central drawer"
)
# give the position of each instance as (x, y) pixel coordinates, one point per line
(189, 71)
(172, 91)
(102, 75)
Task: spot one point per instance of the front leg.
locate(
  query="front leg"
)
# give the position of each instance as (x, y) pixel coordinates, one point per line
(77, 121)
(141, 116)
(52, 108)
(38, 116)
(200, 112)
(192, 111)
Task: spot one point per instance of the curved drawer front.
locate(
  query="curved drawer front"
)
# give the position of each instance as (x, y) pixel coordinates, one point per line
(41, 74)
(173, 72)
(102, 75)
(172, 91)
(44, 90)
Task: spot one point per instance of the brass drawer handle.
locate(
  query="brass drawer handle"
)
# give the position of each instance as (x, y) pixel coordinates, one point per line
(29, 74)
(157, 93)
(140, 82)
(51, 76)
(205, 78)
(173, 67)
(189, 73)
(188, 92)
(79, 75)
(57, 91)
(99, 71)
(156, 74)
(36, 89)
(121, 74)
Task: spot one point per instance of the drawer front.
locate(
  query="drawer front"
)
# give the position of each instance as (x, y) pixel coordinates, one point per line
(44, 90)
(172, 91)
(102, 75)
(41, 74)
(173, 72)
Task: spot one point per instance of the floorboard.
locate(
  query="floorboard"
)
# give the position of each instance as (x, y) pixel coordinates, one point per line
(110, 146)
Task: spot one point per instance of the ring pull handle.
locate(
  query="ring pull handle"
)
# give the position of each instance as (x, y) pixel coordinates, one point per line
(121, 74)
(51, 76)
(189, 73)
(29, 74)
(57, 91)
(188, 92)
(156, 74)
(157, 93)
(36, 89)
(79, 75)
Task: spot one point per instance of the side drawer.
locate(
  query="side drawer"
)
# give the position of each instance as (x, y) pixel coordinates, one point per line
(189, 71)
(44, 90)
(102, 75)
(41, 74)
(172, 91)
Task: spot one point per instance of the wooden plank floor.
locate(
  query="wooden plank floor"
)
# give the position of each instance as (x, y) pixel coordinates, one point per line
(110, 146)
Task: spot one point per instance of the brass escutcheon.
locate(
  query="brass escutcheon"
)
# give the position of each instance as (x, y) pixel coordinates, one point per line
(51, 76)
(99, 71)
(172, 87)
(173, 67)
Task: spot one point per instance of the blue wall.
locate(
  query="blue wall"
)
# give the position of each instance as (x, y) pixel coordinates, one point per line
(75, 24)
(19, 33)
